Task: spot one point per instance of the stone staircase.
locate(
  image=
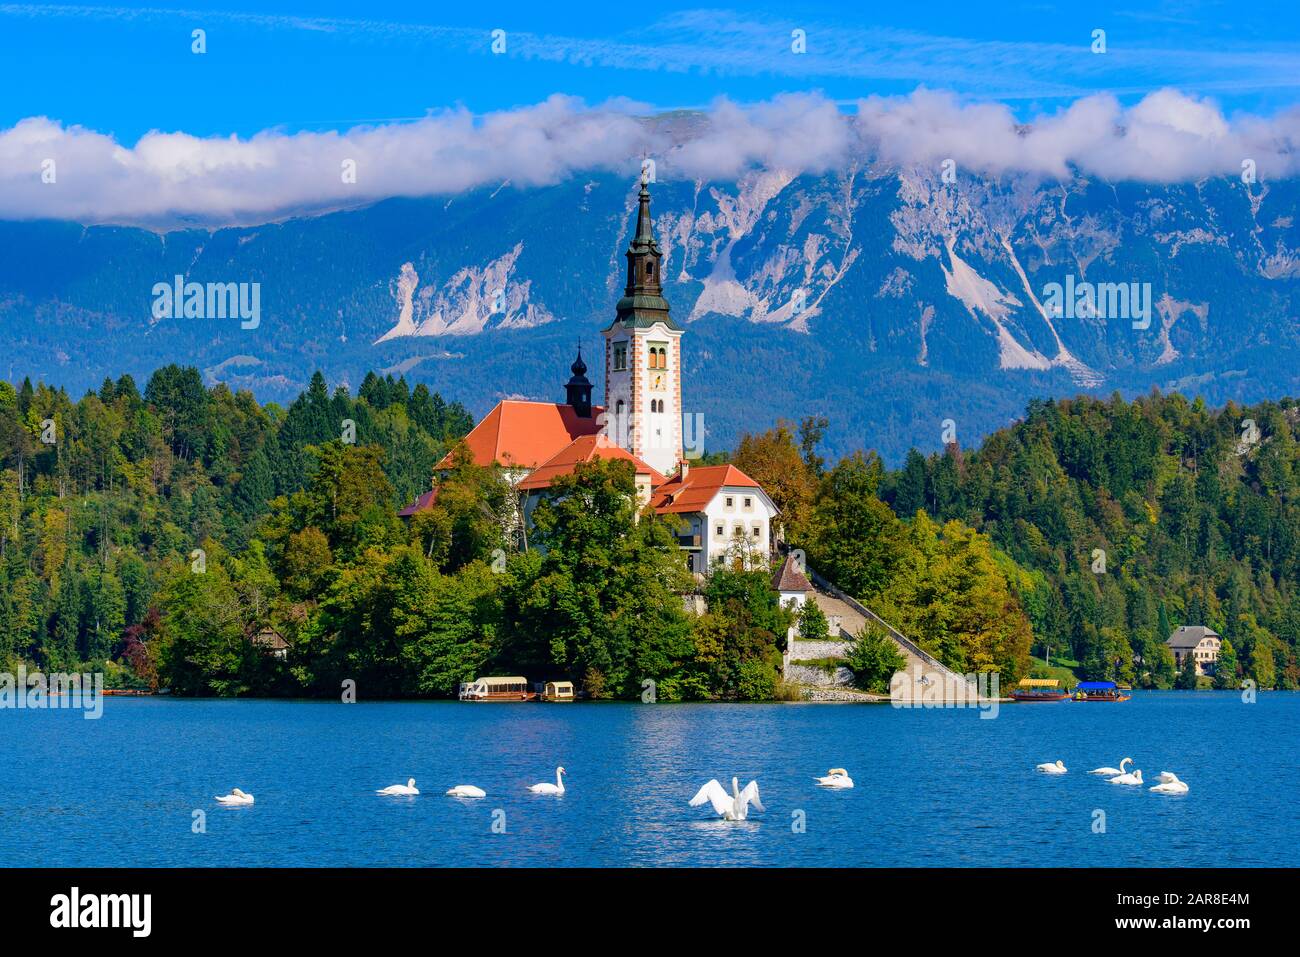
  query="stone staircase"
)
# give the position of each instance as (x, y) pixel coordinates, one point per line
(927, 677)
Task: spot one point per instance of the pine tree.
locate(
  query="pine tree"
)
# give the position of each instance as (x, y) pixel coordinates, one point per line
(1186, 680)
(1225, 669)
(813, 625)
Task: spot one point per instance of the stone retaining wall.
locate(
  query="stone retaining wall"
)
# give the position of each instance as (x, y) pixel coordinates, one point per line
(818, 677)
(811, 650)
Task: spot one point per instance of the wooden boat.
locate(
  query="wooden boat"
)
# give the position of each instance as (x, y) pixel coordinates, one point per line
(1039, 689)
(512, 688)
(1099, 691)
(558, 691)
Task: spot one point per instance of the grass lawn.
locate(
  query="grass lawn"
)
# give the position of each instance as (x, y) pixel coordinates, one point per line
(1039, 668)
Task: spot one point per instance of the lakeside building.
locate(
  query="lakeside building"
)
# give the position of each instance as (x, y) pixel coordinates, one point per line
(723, 511)
(269, 642)
(1200, 642)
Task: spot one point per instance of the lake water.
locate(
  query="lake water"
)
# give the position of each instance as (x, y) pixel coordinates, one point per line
(934, 787)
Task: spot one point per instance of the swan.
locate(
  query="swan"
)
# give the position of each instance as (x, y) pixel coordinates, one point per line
(407, 788)
(235, 798)
(835, 778)
(1169, 784)
(1112, 771)
(1133, 777)
(466, 791)
(1057, 768)
(547, 788)
(733, 806)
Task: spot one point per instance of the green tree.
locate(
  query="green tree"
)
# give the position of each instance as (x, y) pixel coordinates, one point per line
(874, 659)
(813, 625)
(1187, 678)
(1225, 669)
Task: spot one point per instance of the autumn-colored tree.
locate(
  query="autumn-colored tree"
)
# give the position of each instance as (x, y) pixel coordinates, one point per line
(774, 461)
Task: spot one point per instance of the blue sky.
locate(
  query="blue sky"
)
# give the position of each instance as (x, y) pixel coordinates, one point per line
(127, 70)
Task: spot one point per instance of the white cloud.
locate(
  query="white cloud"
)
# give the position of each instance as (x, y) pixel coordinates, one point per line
(166, 177)
(1166, 137)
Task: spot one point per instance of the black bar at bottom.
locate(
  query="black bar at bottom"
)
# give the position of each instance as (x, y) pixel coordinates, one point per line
(492, 908)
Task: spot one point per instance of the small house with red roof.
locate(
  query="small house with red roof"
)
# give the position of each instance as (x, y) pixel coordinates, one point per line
(722, 511)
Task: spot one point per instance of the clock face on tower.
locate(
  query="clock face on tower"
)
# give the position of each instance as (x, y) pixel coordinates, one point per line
(657, 381)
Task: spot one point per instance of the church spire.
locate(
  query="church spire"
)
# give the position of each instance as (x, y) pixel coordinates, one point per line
(643, 303)
(578, 389)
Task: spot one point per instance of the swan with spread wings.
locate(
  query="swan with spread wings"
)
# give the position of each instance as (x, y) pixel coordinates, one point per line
(733, 806)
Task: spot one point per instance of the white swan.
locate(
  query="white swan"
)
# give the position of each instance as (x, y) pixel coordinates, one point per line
(1133, 777)
(407, 788)
(235, 798)
(548, 788)
(733, 806)
(1112, 771)
(1057, 768)
(1169, 784)
(466, 791)
(835, 778)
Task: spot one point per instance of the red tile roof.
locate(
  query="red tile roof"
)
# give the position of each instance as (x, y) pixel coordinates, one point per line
(790, 577)
(697, 491)
(585, 449)
(420, 504)
(526, 434)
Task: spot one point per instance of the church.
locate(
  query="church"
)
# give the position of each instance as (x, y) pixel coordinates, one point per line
(723, 511)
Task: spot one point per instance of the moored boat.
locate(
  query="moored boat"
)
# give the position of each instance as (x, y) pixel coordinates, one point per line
(558, 691)
(511, 688)
(1099, 691)
(1039, 689)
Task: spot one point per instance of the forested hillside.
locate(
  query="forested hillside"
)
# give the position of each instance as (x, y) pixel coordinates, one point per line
(1132, 518)
(103, 499)
(166, 536)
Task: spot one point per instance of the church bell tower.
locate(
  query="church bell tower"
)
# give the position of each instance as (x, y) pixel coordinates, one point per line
(643, 357)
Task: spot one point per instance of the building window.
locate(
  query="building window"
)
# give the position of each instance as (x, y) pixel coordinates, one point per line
(658, 355)
(730, 502)
(719, 532)
(758, 530)
(620, 356)
(749, 502)
(690, 562)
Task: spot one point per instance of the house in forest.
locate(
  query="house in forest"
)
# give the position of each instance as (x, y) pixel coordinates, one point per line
(270, 642)
(1200, 642)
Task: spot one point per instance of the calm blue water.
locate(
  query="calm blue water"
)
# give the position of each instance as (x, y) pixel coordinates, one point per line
(933, 787)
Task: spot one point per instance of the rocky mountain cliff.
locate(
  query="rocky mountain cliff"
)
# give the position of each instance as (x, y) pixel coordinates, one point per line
(888, 299)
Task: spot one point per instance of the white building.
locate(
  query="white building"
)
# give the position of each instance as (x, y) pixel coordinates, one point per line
(725, 514)
(1200, 642)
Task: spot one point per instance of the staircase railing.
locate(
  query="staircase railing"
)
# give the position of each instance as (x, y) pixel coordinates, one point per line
(871, 616)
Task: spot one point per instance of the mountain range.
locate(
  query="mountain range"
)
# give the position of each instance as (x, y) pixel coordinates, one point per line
(909, 305)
